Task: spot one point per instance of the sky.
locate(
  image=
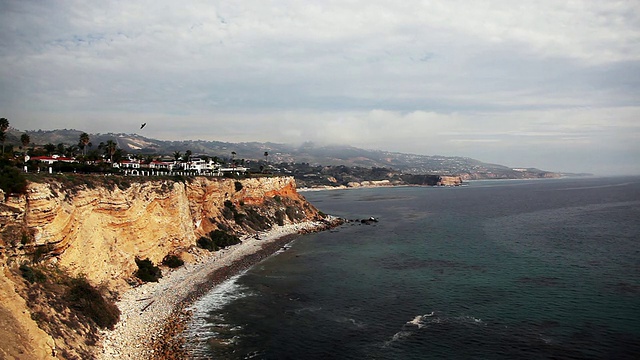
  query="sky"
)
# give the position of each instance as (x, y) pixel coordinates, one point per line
(546, 83)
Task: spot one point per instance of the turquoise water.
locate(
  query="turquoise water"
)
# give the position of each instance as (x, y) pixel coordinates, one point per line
(495, 270)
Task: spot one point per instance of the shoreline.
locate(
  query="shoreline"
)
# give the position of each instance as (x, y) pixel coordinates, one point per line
(343, 187)
(463, 184)
(153, 315)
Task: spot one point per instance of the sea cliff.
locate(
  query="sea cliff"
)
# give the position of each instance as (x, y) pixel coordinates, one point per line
(405, 180)
(96, 228)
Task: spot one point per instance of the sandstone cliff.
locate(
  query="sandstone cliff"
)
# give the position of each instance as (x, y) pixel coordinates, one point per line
(99, 230)
(428, 180)
(449, 181)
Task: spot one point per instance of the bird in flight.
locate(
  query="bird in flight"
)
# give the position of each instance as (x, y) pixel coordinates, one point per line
(143, 125)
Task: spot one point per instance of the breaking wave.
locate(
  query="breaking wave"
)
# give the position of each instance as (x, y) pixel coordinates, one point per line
(206, 324)
(424, 321)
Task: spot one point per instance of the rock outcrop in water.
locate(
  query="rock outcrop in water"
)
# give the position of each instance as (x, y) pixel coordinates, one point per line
(97, 230)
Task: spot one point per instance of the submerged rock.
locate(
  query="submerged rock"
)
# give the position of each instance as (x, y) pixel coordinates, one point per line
(369, 221)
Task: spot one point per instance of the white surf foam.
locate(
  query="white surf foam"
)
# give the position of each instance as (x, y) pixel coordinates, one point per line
(420, 320)
(200, 327)
(398, 336)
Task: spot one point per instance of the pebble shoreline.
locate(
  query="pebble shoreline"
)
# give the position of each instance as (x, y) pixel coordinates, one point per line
(153, 315)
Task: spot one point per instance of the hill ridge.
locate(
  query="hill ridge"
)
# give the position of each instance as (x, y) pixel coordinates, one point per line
(307, 152)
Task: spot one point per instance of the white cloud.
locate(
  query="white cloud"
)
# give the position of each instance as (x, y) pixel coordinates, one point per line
(419, 76)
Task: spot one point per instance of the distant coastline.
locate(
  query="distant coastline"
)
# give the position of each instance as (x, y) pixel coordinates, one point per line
(311, 162)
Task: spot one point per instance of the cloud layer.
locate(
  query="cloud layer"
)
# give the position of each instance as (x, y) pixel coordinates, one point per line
(548, 84)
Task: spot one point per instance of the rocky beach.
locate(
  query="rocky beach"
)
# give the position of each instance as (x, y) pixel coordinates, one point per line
(153, 316)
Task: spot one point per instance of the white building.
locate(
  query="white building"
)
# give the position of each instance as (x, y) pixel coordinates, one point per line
(162, 165)
(202, 166)
(127, 164)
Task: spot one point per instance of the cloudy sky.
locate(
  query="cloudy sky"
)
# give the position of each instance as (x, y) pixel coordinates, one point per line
(546, 83)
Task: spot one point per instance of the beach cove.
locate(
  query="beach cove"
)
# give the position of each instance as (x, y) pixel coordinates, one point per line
(153, 316)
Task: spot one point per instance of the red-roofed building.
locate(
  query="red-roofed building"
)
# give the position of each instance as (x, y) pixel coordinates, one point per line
(52, 159)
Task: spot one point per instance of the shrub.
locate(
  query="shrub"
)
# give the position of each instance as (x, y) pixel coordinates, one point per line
(40, 253)
(12, 180)
(238, 185)
(217, 239)
(294, 213)
(32, 275)
(227, 213)
(238, 218)
(25, 239)
(172, 261)
(221, 239)
(122, 183)
(206, 243)
(222, 226)
(280, 215)
(179, 178)
(147, 271)
(90, 301)
(256, 221)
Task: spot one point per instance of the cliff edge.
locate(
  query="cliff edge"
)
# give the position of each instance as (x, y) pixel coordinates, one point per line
(95, 229)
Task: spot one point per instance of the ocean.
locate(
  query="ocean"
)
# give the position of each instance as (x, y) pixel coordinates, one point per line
(521, 269)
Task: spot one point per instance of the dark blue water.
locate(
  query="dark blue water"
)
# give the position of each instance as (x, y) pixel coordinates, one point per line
(495, 270)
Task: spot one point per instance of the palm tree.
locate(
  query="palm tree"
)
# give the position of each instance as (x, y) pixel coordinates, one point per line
(233, 158)
(118, 155)
(25, 140)
(93, 155)
(266, 161)
(71, 151)
(83, 142)
(187, 155)
(4, 125)
(50, 148)
(110, 148)
(177, 155)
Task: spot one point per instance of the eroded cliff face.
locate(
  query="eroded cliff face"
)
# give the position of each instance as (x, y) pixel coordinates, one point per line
(449, 181)
(98, 231)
